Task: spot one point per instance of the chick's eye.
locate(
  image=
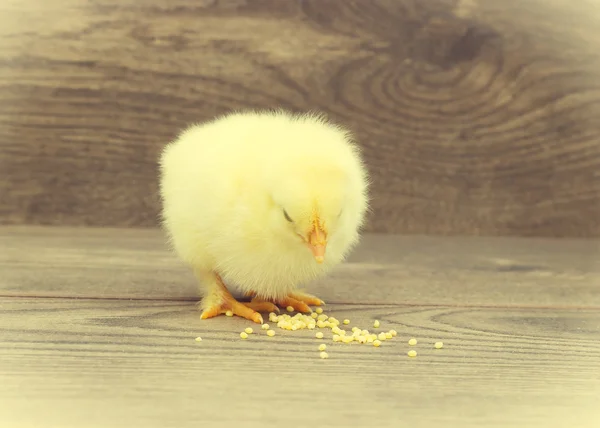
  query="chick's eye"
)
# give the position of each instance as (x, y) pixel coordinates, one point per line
(286, 215)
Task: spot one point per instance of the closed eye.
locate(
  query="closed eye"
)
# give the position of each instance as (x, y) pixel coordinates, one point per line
(287, 217)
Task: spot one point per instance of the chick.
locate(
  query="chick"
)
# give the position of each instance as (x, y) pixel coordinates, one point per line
(263, 201)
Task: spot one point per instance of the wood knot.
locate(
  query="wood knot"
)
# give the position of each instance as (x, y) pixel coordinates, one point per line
(446, 41)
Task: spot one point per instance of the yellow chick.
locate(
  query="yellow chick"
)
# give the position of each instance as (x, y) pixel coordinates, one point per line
(263, 202)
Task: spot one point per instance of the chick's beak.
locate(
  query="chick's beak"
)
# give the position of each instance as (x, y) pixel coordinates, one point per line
(317, 242)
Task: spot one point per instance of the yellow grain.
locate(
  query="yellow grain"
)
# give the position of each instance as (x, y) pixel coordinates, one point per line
(198, 339)
(319, 310)
(346, 321)
(270, 333)
(412, 342)
(439, 345)
(319, 335)
(290, 309)
(249, 330)
(376, 324)
(244, 335)
(393, 333)
(322, 347)
(229, 313)
(324, 355)
(376, 343)
(412, 353)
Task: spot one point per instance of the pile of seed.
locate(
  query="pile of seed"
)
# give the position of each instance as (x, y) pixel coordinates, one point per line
(318, 320)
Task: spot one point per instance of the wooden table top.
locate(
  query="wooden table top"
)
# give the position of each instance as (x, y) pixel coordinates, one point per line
(97, 329)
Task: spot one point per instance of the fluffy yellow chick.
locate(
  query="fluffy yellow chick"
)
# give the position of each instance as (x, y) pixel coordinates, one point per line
(263, 202)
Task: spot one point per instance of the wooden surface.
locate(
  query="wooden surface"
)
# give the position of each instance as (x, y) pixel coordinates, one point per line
(478, 117)
(135, 264)
(109, 342)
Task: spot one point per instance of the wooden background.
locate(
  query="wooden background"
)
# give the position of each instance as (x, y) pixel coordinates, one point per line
(477, 117)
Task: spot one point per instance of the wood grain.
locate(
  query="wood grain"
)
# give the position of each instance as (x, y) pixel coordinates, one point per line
(114, 263)
(476, 117)
(84, 363)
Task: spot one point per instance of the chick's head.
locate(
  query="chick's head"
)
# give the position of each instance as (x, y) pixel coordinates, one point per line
(317, 196)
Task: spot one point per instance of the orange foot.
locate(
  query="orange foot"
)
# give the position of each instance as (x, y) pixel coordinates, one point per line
(299, 301)
(221, 301)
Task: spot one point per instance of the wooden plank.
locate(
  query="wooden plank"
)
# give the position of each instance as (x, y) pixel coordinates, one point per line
(476, 117)
(128, 263)
(74, 363)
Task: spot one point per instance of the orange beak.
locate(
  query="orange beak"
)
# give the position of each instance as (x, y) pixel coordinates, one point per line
(317, 242)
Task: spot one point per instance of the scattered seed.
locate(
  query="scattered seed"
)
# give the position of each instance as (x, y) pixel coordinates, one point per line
(198, 339)
(229, 313)
(319, 310)
(381, 336)
(324, 355)
(322, 347)
(346, 321)
(439, 345)
(290, 309)
(388, 335)
(393, 333)
(376, 343)
(244, 335)
(412, 353)
(270, 333)
(249, 330)
(412, 342)
(376, 324)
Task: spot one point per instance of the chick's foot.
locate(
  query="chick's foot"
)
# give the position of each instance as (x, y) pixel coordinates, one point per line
(220, 300)
(237, 308)
(299, 301)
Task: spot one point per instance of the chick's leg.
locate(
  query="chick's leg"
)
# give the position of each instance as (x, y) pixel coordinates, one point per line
(218, 299)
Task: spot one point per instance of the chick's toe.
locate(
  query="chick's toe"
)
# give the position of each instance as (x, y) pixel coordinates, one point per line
(309, 299)
(261, 306)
